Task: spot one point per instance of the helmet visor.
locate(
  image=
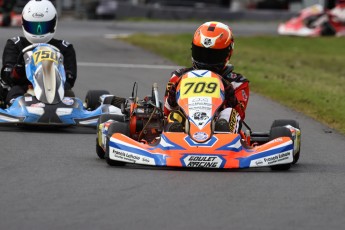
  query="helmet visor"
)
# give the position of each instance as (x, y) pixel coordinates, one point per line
(39, 28)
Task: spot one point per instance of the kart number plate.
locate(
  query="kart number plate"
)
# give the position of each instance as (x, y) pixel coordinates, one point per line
(44, 55)
(200, 87)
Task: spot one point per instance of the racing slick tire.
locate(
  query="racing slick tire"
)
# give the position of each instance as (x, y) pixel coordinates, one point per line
(100, 152)
(92, 99)
(293, 123)
(103, 118)
(116, 127)
(276, 132)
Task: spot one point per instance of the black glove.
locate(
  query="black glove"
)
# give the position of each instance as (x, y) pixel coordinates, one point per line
(67, 86)
(171, 90)
(230, 98)
(6, 72)
(70, 79)
(14, 75)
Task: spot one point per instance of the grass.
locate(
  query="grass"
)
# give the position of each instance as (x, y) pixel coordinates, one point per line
(306, 74)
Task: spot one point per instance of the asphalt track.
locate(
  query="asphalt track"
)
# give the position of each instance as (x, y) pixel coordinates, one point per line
(54, 180)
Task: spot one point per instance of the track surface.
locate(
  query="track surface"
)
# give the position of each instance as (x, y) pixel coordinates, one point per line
(54, 180)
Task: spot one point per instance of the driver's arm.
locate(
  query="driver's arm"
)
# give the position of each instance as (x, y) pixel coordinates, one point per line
(70, 63)
(170, 91)
(12, 73)
(237, 92)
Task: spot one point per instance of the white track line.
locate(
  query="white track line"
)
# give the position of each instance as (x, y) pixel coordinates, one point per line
(123, 65)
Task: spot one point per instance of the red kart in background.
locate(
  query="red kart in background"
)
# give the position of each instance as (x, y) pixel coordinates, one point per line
(313, 21)
(8, 15)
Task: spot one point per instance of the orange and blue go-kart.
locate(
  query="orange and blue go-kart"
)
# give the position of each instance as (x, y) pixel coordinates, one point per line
(140, 136)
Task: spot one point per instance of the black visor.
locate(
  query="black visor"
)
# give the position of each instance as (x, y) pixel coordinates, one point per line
(39, 28)
(210, 56)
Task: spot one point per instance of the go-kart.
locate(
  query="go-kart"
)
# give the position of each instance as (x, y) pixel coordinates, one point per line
(141, 136)
(45, 102)
(312, 21)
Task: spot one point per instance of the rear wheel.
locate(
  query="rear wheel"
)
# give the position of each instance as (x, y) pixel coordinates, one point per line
(293, 123)
(116, 127)
(92, 99)
(280, 132)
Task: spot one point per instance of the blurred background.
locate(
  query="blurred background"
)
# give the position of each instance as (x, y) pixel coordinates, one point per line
(171, 9)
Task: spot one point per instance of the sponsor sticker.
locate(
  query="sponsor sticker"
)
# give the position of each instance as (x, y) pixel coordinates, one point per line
(200, 116)
(28, 98)
(200, 136)
(244, 95)
(68, 101)
(280, 158)
(39, 105)
(259, 162)
(38, 15)
(121, 155)
(203, 161)
(207, 42)
(233, 121)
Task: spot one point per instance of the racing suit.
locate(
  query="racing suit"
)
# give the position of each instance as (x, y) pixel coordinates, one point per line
(236, 89)
(13, 78)
(331, 20)
(338, 14)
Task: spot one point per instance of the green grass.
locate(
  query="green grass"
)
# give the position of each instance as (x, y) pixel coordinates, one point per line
(306, 74)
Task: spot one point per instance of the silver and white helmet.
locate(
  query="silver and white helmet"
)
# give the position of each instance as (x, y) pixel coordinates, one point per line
(39, 20)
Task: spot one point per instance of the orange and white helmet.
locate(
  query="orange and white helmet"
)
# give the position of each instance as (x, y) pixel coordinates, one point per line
(212, 46)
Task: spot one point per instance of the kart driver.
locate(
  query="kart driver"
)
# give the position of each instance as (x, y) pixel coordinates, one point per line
(212, 47)
(330, 20)
(337, 14)
(39, 21)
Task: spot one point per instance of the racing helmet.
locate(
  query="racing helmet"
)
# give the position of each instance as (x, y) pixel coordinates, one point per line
(39, 20)
(212, 46)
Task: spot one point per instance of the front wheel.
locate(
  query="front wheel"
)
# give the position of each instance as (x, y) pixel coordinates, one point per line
(280, 132)
(100, 152)
(295, 124)
(102, 119)
(116, 127)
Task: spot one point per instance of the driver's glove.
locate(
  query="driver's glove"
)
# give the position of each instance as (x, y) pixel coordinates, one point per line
(171, 90)
(230, 98)
(70, 79)
(5, 75)
(18, 75)
(67, 86)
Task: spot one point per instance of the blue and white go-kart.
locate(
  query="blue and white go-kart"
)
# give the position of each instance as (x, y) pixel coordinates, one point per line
(45, 102)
